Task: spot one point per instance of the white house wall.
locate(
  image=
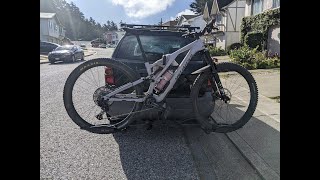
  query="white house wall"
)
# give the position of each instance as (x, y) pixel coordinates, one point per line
(232, 37)
(44, 31)
(52, 31)
(221, 42)
(248, 8)
(267, 4)
(240, 15)
(241, 3)
(235, 15)
(227, 39)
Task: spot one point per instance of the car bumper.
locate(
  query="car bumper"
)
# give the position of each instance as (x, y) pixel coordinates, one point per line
(59, 58)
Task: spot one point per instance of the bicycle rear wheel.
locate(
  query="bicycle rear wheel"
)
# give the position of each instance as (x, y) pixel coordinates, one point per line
(85, 87)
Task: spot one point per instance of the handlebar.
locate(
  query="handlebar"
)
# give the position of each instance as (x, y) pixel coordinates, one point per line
(208, 29)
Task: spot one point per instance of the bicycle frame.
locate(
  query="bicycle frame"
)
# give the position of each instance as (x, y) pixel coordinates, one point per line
(192, 48)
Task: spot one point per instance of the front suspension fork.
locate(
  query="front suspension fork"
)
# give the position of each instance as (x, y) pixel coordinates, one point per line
(215, 79)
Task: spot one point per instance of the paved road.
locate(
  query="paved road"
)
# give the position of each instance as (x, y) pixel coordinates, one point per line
(66, 152)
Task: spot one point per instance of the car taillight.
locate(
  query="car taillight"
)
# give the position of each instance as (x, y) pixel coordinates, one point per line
(209, 83)
(108, 74)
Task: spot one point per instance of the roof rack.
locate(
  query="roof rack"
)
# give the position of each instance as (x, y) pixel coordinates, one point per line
(159, 27)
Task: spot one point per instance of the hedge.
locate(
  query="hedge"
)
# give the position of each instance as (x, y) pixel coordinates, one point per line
(260, 23)
(254, 39)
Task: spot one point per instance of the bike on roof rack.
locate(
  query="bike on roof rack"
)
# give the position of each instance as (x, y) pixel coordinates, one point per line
(104, 86)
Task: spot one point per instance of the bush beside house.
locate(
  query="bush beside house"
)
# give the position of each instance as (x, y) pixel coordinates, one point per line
(233, 46)
(251, 58)
(260, 23)
(254, 39)
(216, 51)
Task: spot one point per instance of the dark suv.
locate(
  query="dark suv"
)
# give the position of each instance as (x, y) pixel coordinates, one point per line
(155, 43)
(46, 47)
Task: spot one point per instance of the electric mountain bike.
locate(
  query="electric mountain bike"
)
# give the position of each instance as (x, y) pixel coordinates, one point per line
(105, 96)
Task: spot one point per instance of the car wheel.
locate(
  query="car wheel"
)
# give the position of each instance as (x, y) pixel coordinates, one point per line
(73, 59)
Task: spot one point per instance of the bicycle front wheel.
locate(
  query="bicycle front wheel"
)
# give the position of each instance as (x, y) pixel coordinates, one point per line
(241, 89)
(85, 87)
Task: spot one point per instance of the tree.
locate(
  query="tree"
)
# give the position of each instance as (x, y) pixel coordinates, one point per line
(199, 5)
(74, 21)
(113, 26)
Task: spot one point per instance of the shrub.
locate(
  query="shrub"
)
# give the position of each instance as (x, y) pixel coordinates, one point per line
(254, 39)
(243, 54)
(260, 23)
(251, 58)
(233, 46)
(216, 51)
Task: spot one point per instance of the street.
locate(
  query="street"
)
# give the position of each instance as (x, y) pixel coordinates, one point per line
(66, 152)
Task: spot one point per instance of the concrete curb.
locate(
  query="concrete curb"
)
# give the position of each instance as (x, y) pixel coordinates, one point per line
(92, 53)
(44, 62)
(265, 171)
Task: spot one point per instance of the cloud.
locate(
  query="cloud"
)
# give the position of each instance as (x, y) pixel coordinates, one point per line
(142, 8)
(184, 12)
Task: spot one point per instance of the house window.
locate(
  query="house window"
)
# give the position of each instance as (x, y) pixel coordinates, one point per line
(257, 7)
(275, 3)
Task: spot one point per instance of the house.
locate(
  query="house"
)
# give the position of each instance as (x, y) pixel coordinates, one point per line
(227, 15)
(113, 37)
(258, 7)
(172, 24)
(51, 29)
(192, 20)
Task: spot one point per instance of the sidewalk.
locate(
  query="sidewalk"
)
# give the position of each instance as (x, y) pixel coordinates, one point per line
(259, 140)
(44, 58)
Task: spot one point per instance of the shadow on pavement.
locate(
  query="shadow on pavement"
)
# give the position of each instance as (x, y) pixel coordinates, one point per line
(258, 141)
(160, 153)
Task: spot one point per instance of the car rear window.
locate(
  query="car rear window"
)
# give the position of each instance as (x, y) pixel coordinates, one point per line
(154, 46)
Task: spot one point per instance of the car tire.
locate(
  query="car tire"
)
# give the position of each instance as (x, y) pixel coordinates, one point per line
(73, 59)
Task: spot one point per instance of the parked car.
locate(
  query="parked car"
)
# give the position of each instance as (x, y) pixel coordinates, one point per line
(46, 47)
(66, 53)
(97, 42)
(82, 45)
(102, 46)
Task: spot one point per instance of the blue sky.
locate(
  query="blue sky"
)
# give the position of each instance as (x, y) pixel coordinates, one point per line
(133, 11)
